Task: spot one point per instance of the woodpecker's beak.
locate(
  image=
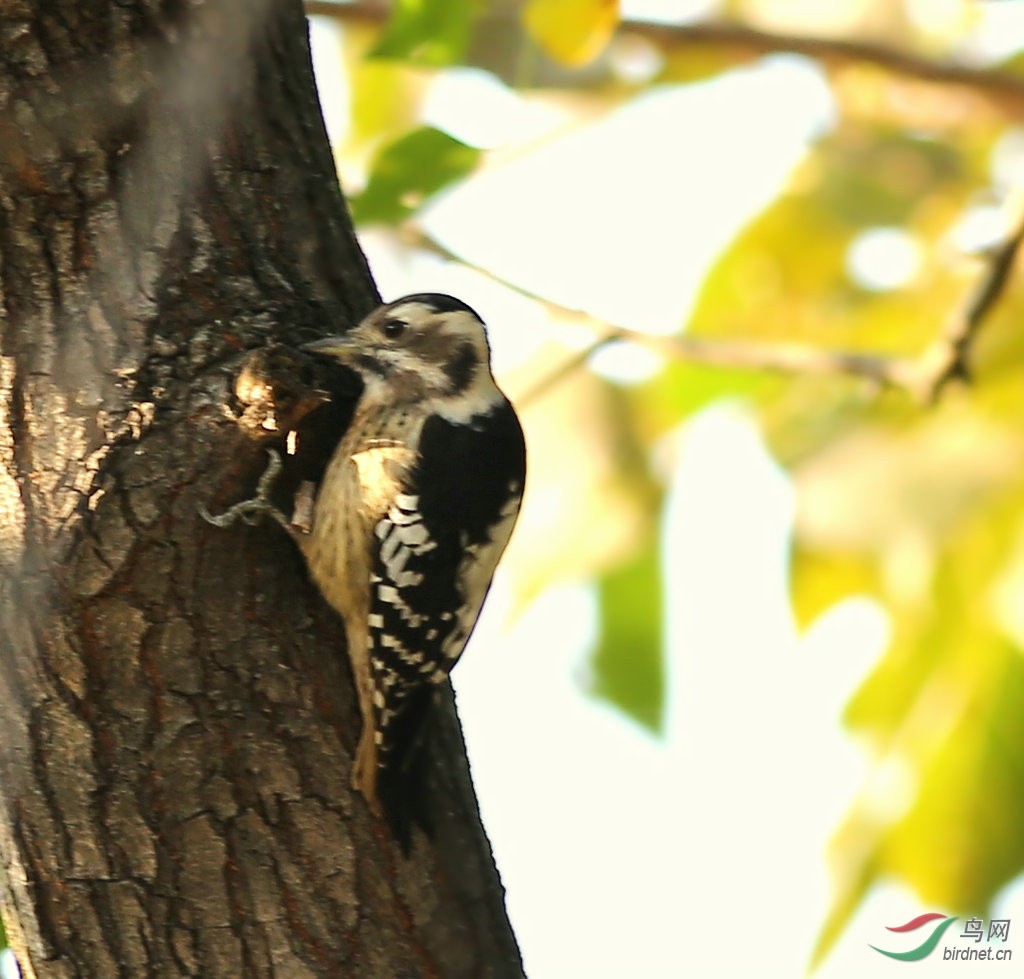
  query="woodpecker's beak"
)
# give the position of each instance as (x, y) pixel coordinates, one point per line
(341, 347)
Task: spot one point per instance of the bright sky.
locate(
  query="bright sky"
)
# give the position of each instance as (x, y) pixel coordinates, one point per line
(703, 854)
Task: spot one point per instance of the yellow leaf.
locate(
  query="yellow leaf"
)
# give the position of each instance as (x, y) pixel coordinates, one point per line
(573, 32)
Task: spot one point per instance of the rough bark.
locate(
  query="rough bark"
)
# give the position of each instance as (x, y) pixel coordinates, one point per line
(177, 717)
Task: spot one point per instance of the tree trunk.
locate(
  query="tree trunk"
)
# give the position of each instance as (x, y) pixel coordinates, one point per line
(177, 717)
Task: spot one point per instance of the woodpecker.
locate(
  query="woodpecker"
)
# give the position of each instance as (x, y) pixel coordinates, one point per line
(413, 513)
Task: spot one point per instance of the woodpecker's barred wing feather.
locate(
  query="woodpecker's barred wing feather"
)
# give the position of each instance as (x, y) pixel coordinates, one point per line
(435, 552)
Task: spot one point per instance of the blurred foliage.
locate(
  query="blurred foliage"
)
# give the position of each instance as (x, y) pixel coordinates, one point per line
(628, 664)
(918, 507)
(427, 32)
(408, 171)
(572, 31)
(606, 501)
(928, 517)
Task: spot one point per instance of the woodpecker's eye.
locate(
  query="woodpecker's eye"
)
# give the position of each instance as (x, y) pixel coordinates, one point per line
(393, 328)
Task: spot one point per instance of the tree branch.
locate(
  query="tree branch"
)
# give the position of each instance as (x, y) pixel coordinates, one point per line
(788, 358)
(1005, 86)
(947, 358)
(923, 376)
(1001, 85)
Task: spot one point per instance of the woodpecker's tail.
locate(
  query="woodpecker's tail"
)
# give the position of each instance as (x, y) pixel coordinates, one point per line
(402, 766)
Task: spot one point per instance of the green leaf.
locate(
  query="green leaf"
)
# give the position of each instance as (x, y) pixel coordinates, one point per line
(943, 713)
(3, 935)
(407, 172)
(427, 32)
(628, 664)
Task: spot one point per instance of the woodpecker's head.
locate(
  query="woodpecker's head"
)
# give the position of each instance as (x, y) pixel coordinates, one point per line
(427, 348)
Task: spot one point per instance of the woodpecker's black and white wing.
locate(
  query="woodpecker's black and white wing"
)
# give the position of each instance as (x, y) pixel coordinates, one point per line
(435, 551)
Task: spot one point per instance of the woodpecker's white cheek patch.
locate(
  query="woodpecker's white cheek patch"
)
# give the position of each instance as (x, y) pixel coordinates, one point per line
(409, 377)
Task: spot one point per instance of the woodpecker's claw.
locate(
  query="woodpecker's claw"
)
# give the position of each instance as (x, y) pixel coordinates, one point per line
(251, 511)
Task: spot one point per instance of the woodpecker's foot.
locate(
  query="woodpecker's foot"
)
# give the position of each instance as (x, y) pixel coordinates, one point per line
(252, 511)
